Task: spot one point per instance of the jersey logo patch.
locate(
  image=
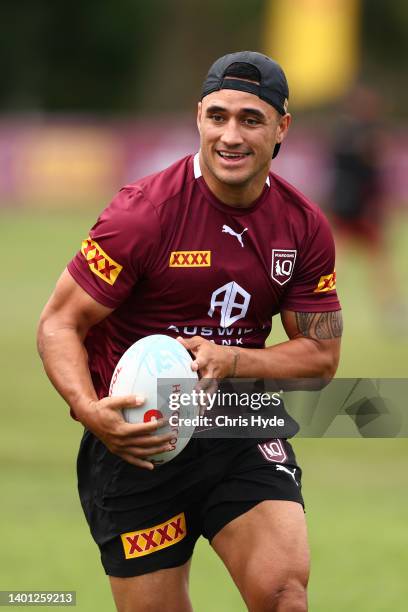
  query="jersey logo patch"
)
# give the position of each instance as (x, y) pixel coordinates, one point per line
(228, 230)
(190, 259)
(273, 450)
(152, 539)
(326, 283)
(283, 263)
(292, 473)
(233, 302)
(99, 262)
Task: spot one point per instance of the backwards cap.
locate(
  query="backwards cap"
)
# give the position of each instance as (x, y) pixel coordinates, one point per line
(271, 85)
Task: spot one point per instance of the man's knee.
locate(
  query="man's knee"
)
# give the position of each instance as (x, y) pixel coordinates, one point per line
(269, 596)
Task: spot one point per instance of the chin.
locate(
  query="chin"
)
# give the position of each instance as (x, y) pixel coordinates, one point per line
(233, 177)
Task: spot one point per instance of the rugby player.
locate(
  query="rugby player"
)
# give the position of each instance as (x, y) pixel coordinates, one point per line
(209, 249)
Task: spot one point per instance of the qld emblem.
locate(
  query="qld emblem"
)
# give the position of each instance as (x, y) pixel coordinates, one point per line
(273, 450)
(283, 263)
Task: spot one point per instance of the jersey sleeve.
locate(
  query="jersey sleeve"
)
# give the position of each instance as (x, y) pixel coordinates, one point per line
(313, 285)
(119, 249)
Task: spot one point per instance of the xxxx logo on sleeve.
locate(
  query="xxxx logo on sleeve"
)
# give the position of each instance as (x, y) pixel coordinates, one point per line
(99, 262)
(190, 259)
(326, 283)
(153, 539)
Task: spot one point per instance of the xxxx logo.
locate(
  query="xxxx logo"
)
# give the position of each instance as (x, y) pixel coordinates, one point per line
(152, 539)
(326, 283)
(190, 259)
(99, 262)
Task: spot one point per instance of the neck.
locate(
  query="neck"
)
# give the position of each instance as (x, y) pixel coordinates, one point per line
(241, 195)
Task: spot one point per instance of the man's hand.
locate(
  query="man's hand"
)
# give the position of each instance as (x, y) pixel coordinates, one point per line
(312, 351)
(211, 360)
(131, 442)
(65, 321)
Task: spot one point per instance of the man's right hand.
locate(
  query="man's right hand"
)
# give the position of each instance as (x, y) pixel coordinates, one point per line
(65, 322)
(134, 443)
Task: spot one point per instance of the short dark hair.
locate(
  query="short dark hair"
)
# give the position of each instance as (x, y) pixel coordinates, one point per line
(242, 70)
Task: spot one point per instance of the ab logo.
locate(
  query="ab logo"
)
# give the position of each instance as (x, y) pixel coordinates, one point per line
(233, 302)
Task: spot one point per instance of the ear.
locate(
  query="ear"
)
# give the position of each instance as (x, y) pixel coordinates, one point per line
(199, 115)
(283, 127)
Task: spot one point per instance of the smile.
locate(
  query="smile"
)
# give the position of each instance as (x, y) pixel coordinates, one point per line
(232, 156)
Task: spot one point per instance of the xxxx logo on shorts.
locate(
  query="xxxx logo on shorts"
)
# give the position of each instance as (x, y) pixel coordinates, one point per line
(326, 283)
(153, 539)
(190, 259)
(99, 262)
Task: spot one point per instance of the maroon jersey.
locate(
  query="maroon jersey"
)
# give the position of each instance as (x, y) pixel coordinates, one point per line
(171, 258)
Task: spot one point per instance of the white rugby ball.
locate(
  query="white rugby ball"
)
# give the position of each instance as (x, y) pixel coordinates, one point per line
(149, 360)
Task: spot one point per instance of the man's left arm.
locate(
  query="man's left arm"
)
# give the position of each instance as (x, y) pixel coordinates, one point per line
(312, 351)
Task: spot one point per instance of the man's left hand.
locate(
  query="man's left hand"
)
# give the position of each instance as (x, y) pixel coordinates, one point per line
(211, 360)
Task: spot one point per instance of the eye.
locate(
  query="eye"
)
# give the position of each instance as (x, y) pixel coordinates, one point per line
(251, 121)
(217, 118)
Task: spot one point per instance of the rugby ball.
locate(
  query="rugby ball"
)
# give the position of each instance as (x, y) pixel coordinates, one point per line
(158, 368)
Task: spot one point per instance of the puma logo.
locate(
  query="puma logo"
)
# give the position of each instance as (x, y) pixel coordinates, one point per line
(282, 468)
(228, 230)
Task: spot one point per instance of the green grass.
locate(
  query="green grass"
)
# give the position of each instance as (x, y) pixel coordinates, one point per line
(355, 490)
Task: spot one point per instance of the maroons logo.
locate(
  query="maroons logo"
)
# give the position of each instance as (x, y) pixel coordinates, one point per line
(283, 263)
(273, 451)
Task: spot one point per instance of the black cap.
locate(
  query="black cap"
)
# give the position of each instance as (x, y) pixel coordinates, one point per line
(273, 86)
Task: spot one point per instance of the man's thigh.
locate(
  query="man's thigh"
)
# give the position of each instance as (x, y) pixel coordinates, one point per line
(162, 590)
(266, 552)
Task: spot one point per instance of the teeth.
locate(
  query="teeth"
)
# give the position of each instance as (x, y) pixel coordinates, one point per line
(231, 155)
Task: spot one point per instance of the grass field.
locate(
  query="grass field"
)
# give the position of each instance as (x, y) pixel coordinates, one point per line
(356, 490)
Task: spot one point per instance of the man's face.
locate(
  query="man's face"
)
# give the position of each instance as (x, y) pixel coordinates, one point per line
(238, 133)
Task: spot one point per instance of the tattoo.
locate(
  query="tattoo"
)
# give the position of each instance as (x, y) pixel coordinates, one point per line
(337, 323)
(320, 325)
(304, 321)
(322, 328)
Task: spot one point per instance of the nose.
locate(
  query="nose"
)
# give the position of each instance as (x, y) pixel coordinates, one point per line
(231, 135)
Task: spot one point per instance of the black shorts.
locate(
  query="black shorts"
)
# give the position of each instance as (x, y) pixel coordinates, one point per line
(146, 520)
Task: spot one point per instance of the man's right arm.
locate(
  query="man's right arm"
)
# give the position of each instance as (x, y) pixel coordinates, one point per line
(65, 321)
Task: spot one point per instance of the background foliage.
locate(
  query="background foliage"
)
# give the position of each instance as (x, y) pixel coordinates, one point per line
(150, 55)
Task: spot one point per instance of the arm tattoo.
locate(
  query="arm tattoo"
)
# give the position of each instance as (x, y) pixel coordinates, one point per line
(304, 321)
(337, 324)
(322, 329)
(320, 325)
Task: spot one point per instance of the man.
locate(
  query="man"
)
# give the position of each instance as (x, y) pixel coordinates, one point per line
(213, 246)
